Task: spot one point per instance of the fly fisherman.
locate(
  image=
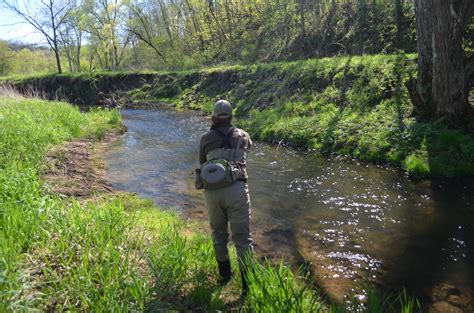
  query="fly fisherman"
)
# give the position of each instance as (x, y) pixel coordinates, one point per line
(222, 175)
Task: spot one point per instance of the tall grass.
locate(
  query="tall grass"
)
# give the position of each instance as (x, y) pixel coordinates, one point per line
(276, 290)
(51, 249)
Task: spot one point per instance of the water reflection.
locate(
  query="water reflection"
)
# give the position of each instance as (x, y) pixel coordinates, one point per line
(351, 221)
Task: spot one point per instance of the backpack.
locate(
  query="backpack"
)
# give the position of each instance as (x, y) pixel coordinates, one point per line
(220, 173)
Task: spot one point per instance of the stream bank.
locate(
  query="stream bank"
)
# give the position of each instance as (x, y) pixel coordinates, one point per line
(351, 106)
(76, 169)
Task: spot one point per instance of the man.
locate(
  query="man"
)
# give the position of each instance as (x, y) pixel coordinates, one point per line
(222, 155)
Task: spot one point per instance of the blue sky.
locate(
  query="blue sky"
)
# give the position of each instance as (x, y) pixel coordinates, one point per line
(12, 28)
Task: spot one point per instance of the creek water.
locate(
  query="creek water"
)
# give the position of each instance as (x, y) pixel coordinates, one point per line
(352, 221)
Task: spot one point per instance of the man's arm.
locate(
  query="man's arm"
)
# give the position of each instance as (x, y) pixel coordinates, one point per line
(249, 140)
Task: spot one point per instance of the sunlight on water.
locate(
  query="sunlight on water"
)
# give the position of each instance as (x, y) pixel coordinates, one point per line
(352, 221)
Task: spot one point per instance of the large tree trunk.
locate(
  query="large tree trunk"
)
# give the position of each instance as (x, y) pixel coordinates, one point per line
(56, 53)
(398, 22)
(448, 61)
(439, 90)
(301, 7)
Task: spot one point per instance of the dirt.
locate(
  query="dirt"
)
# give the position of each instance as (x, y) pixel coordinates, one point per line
(76, 169)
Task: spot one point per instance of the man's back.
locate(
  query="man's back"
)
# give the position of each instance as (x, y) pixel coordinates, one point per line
(214, 140)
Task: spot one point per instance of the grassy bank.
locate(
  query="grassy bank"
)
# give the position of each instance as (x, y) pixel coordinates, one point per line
(354, 106)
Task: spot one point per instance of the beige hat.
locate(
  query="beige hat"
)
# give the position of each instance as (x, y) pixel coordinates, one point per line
(222, 109)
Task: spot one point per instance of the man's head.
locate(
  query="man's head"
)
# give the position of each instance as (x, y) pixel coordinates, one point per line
(222, 113)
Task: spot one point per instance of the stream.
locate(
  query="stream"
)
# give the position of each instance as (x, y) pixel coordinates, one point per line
(354, 222)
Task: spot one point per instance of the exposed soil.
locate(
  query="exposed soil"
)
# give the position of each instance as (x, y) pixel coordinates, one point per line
(76, 169)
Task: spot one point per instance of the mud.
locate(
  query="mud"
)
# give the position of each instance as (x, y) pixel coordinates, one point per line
(76, 169)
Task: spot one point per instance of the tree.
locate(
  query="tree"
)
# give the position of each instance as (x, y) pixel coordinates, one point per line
(6, 56)
(107, 18)
(398, 22)
(145, 29)
(71, 33)
(441, 87)
(46, 16)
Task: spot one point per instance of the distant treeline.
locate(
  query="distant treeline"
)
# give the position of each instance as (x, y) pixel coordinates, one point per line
(122, 35)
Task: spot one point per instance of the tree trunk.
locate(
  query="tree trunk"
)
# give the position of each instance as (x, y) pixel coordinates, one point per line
(421, 88)
(439, 90)
(166, 21)
(398, 22)
(302, 21)
(448, 61)
(68, 55)
(55, 37)
(361, 26)
(78, 53)
(228, 13)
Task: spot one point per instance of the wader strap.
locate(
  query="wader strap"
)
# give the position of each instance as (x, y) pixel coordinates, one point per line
(225, 137)
(237, 147)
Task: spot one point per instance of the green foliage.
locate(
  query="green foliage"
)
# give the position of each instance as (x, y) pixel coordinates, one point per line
(417, 165)
(185, 34)
(43, 234)
(276, 290)
(6, 55)
(25, 61)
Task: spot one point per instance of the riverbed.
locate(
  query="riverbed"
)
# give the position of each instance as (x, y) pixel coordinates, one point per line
(354, 222)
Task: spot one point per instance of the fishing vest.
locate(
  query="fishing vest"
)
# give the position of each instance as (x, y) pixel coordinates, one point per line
(224, 165)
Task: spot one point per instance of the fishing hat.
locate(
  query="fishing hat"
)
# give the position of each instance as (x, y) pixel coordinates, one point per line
(222, 110)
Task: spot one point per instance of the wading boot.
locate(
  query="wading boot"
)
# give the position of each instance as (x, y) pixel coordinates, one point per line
(245, 286)
(225, 272)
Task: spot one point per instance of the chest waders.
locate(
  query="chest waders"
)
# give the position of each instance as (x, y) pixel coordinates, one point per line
(228, 206)
(218, 173)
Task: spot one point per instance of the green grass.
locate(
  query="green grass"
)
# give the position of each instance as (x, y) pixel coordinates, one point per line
(376, 301)
(275, 290)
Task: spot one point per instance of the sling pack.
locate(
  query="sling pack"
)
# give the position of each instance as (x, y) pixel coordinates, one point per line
(220, 173)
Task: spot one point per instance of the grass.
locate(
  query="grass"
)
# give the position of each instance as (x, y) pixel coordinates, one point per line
(281, 294)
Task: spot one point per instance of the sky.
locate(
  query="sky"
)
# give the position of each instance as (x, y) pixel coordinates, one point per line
(13, 28)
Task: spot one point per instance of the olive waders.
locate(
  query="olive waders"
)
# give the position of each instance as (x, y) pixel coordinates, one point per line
(229, 205)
